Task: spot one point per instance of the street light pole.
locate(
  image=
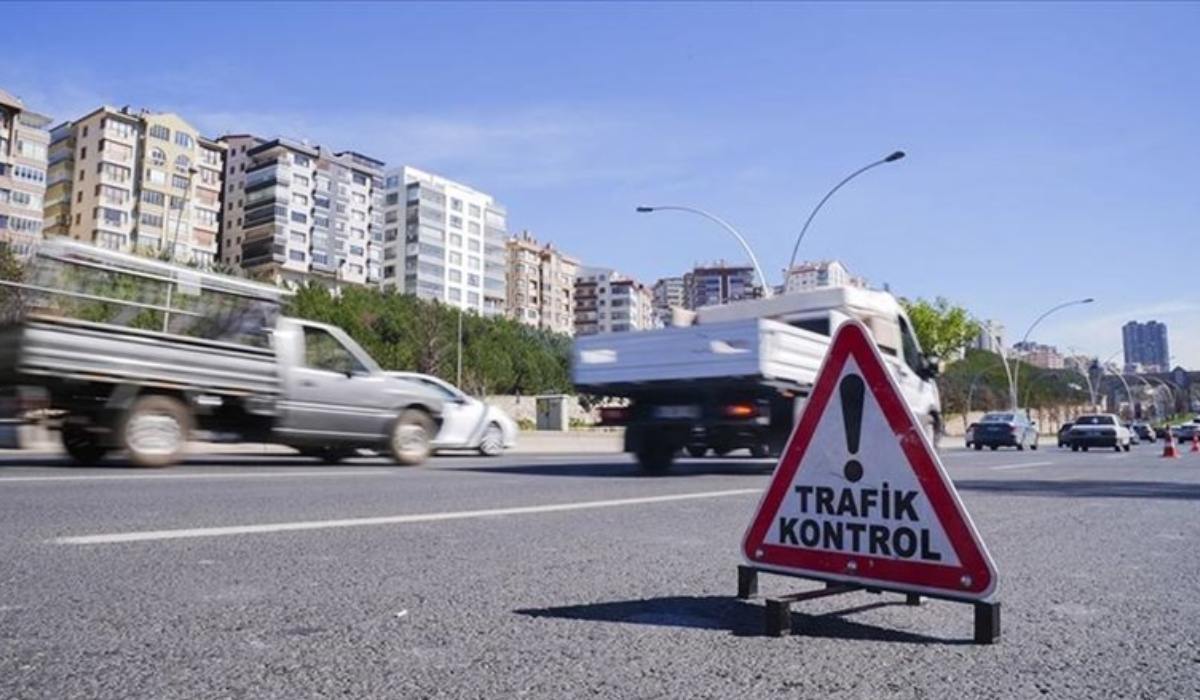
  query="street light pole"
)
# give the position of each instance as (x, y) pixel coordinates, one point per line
(1016, 373)
(728, 227)
(891, 158)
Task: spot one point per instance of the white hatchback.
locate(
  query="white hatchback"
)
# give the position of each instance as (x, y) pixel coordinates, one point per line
(467, 422)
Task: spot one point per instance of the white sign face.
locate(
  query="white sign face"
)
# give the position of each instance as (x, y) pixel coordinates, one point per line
(861, 501)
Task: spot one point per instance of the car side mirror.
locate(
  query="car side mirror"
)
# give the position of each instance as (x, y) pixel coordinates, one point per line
(931, 366)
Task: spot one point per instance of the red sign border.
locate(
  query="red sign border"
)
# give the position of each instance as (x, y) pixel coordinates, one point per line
(853, 340)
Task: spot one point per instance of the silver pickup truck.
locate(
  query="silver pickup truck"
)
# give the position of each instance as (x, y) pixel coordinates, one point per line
(140, 356)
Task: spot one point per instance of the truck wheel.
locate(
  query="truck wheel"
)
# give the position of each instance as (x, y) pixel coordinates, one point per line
(411, 441)
(655, 458)
(697, 450)
(758, 451)
(155, 431)
(81, 445)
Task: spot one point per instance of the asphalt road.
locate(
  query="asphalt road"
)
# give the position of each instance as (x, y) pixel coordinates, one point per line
(568, 576)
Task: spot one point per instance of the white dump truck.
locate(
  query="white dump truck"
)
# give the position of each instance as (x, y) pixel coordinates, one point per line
(736, 376)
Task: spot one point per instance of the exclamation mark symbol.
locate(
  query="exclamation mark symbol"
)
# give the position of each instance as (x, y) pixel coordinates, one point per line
(852, 390)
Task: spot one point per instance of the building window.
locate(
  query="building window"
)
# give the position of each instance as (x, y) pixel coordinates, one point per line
(154, 220)
(454, 276)
(475, 210)
(158, 156)
(182, 161)
(473, 227)
(182, 139)
(456, 222)
(179, 182)
(473, 245)
(159, 131)
(299, 217)
(456, 240)
(455, 258)
(297, 255)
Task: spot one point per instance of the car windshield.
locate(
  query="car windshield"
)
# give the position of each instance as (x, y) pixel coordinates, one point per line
(1095, 420)
(998, 418)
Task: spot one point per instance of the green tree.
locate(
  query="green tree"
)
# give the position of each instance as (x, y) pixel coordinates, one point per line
(943, 329)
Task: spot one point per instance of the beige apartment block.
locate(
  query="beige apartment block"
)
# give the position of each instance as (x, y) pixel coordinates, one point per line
(541, 284)
(136, 181)
(24, 147)
(300, 213)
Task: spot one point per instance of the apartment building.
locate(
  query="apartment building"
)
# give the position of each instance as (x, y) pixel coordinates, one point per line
(299, 213)
(1146, 346)
(541, 284)
(136, 181)
(24, 146)
(668, 293)
(719, 283)
(608, 302)
(1038, 355)
(444, 241)
(822, 273)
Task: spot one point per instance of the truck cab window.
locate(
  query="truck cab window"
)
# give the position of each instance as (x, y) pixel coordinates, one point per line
(912, 356)
(323, 351)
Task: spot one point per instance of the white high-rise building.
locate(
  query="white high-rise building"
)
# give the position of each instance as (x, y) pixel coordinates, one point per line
(669, 292)
(444, 241)
(991, 336)
(608, 302)
(823, 273)
(302, 213)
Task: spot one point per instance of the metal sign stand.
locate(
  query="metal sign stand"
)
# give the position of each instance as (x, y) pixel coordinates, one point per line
(778, 611)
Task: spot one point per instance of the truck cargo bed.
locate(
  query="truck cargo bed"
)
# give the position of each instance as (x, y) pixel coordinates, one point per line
(759, 350)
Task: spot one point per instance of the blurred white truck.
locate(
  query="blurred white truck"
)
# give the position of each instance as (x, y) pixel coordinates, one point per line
(737, 375)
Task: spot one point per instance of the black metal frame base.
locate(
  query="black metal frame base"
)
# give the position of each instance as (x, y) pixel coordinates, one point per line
(778, 611)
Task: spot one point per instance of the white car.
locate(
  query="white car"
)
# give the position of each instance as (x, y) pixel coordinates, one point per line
(1098, 430)
(467, 422)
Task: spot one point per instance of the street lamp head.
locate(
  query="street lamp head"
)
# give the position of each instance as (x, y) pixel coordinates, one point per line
(1087, 301)
(895, 156)
(645, 210)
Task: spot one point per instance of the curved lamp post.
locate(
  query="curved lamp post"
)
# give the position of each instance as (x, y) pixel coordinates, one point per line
(891, 158)
(725, 225)
(1016, 373)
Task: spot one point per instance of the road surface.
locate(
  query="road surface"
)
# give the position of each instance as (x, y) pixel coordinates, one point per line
(552, 576)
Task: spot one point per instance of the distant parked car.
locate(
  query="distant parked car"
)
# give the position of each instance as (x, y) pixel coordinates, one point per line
(467, 422)
(969, 436)
(1063, 430)
(1145, 432)
(1006, 429)
(1099, 430)
(1184, 432)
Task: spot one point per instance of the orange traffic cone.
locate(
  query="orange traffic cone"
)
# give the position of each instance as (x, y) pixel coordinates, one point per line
(1169, 448)
(1195, 442)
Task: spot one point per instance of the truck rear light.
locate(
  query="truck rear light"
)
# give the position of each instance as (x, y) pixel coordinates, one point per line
(741, 410)
(614, 415)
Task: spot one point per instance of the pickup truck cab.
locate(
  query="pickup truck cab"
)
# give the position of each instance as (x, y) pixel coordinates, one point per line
(138, 355)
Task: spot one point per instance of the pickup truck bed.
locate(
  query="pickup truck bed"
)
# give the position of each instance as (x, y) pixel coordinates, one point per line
(730, 352)
(62, 349)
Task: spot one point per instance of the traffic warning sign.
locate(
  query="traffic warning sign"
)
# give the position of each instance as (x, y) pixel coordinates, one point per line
(860, 496)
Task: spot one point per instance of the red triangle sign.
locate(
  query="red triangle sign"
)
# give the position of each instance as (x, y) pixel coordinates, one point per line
(860, 496)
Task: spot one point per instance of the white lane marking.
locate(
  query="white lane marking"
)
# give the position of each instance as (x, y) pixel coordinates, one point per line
(148, 535)
(1022, 465)
(207, 475)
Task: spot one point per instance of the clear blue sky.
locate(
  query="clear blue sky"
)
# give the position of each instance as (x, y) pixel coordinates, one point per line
(1053, 149)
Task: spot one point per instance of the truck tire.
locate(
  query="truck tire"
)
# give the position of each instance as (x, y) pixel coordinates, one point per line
(697, 450)
(655, 458)
(759, 450)
(154, 431)
(81, 445)
(411, 438)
